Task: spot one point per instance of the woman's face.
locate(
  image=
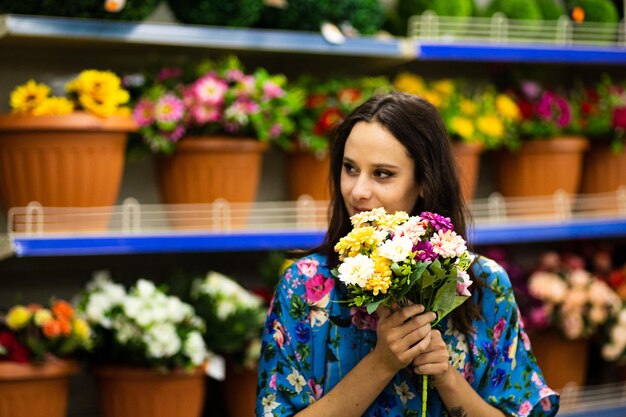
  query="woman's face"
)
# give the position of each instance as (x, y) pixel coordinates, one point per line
(377, 171)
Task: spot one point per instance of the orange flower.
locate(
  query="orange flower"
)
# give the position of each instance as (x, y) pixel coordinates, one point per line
(349, 95)
(63, 310)
(578, 14)
(33, 308)
(51, 329)
(65, 326)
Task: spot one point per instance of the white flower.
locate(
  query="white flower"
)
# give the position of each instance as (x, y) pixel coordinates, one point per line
(318, 317)
(448, 244)
(397, 249)
(225, 308)
(414, 229)
(195, 348)
(145, 288)
(404, 392)
(269, 403)
(162, 340)
(360, 219)
(611, 352)
(579, 278)
(97, 308)
(618, 335)
(296, 380)
(356, 270)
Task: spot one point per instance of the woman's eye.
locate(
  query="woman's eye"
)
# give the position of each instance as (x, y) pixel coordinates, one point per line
(348, 168)
(383, 175)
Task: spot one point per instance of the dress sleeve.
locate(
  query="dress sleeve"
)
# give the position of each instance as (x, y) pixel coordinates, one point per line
(284, 382)
(512, 381)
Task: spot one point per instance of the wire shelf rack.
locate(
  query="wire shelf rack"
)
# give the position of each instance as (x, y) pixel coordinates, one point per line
(501, 30)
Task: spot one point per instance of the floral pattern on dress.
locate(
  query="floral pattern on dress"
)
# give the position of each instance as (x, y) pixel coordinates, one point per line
(311, 341)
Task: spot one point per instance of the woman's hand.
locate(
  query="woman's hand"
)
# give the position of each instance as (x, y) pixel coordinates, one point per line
(435, 360)
(402, 335)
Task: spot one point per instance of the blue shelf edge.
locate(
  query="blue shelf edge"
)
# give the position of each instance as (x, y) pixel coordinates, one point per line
(198, 36)
(79, 245)
(568, 54)
(619, 411)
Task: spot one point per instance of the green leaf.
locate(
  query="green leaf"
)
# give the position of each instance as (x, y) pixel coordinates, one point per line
(297, 308)
(371, 307)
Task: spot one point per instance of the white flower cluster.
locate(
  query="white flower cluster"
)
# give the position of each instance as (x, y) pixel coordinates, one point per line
(229, 296)
(615, 347)
(146, 316)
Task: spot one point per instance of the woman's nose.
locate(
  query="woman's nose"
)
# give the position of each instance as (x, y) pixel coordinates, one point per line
(362, 189)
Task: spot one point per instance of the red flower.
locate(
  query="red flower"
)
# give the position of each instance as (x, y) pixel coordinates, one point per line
(526, 108)
(16, 352)
(586, 107)
(619, 117)
(315, 100)
(328, 120)
(593, 95)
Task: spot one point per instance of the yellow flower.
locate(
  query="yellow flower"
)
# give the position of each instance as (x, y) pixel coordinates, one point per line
(444, 87)
(26, 97)
(18, 317)
(507, 107)
(391, 220)
(99, 92)
(433, 97)
(361, 238)
(378, 283)
(54, 105)
(42, 316)
(98, 107)
(463, 127)
(409, 83)
(468, 107)
(490, 126)
(82, 329)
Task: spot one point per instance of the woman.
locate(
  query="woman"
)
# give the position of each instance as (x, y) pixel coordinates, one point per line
(323, 358)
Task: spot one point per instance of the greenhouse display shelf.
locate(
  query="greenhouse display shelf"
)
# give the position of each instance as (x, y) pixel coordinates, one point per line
(485, 52)
(23, 245)
(89, 30)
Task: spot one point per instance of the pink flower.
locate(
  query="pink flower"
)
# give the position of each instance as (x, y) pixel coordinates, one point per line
(317, 287)
(525, 409)
(275, 131)
(462, 285)
(210, 90)
(535, 378)
(468, 372)
(272, 90)
(234, 75)
(525, 340)
(498, 329)
(279, 335)
(273, 382)
(144, 112)
(168, 73)
(316, 389)
(205, 113)
(546, 404)
(307, 267)
(177, 134)
(362, 320)
(168, 109)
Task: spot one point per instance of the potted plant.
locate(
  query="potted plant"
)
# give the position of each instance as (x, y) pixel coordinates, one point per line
(235, 318)
(148, 353)
(94, 9)
(211, 125)
(547, 154)
(567, 306)
(601, 117)
(65, 151)
(36, 347)
(210, 12)
(327, 102)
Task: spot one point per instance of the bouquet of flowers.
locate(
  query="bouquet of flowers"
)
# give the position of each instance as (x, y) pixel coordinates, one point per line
(143, 326)
(30, 333)
(96, 92)
(570, 298)
(396, 258)
(234, 317)
(215, 97)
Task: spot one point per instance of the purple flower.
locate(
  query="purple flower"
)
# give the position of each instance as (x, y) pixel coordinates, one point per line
(565, 115)
(168, 73)
(177, 134)
(531, 89)
(275, 130)
(303, 333)
(362, 320)
(437, 221)
(544, 106)
(498, 377)
(424, 251)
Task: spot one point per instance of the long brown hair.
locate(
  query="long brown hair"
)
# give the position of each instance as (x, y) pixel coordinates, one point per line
(418, 126)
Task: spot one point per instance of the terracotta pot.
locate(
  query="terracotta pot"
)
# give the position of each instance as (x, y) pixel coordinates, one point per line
(133, 392)
(35, 390)
(541, 167)
(308, 174)
(204, 169)
(603, 170)
(467, 157)
(73, 160)
(563, 361)
(240, 390)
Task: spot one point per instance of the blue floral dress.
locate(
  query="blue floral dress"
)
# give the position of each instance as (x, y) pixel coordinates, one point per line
(311, 342)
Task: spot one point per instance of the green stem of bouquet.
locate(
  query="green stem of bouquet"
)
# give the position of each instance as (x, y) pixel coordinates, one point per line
(424, 394)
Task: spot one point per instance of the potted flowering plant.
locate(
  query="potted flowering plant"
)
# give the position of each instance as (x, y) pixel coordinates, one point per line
(601, 116)
(235, 319)
(36, 344)
(566, 298)
(215, 120)
(81, 137)
(146, 342)
(546, 157)
(327, 103)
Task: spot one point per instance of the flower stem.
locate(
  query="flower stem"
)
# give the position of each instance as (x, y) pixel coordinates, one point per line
(424, 394)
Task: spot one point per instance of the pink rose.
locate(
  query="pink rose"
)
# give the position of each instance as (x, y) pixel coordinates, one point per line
(525, 409)
(546, 404)
(317, 287)
(307, 267)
